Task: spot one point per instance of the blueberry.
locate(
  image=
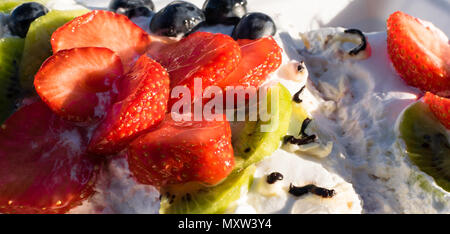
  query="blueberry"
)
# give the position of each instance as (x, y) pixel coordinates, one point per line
(177, 18)
(224, 11)
(23, 15)
(138, 11)
(253, 26)
(121, 6)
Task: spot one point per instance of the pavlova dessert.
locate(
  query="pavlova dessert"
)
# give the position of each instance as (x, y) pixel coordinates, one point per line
(140, 106)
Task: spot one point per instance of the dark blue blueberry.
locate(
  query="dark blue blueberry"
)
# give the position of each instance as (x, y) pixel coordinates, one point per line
(224, 11)
(121, 6)
(177, 18)
(138, 11)
(253, 26)
(23, 15)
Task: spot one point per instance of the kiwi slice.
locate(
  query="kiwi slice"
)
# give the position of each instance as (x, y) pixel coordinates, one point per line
(299, 114)
(37, 43)
(427, 143)
(6, 6)
(10, 53)
(194, 198)
(252, 144)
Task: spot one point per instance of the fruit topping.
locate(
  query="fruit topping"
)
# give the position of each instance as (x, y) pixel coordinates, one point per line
(103, 29)
(176, 19)
(23, 15)
(6, 6)
(10, 53)
(122, 6)
(207, 56)
(138, 12)
(254, 26)
(420, 53)
(259, 59)
(198, 199)
(45, 167)
(77, 84)
(224, 11)
(440, 107)
(37, 44)
(182, 152)
(427, 143)
(261, 138)
(274, 177)
(140, 106)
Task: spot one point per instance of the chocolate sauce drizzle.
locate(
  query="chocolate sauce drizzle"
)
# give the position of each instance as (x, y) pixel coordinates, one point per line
(300, 191)
(360, 47)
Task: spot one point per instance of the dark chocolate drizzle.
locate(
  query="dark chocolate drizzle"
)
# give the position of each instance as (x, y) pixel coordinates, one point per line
(301, 141)
(304, 137)
(274, 177)
(360, 47)
(305, 125)
(300, 191)
(297, 95)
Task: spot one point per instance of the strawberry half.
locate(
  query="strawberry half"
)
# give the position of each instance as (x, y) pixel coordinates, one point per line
(180, 152)
(420, 53)
(103, 29)
(259, 58)
(44, 167)
(77, 83)
(440, 107)
(141, 105)
(207, 56)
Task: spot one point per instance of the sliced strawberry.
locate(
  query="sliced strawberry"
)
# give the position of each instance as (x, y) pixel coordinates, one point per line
(180, 152)
(420, 53)
(210, 57)
(77, 83)
(440, 107)
(141, 105)
(103, 29)
(259, 58)
(44, 167)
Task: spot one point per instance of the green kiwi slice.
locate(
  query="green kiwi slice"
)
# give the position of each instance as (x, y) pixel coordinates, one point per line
(427, 143)
(10, 53)
(6, 6)
(252, 144)
(37, 44)
(195, 198)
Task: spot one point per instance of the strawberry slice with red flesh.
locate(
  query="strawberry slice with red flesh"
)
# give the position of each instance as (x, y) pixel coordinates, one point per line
(141, 105)
(77, 84)
(440, 107)
(181, 152)
(207, 56)
(259, 59)
(420, 53)
(103, 29)
(44, 165)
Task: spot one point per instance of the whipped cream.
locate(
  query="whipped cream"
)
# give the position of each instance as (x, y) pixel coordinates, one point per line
(354, 103)
(299, 171)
